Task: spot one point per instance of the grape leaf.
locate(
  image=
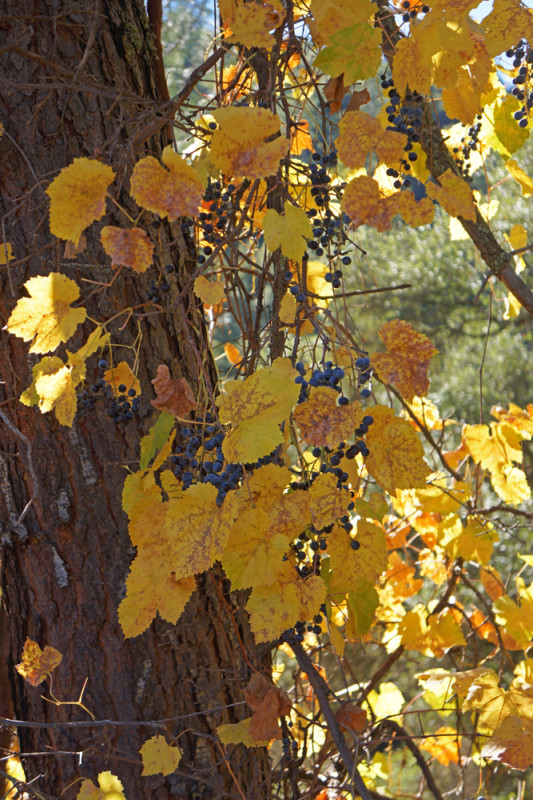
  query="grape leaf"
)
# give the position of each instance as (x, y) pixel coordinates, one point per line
(159, 756)
(129, 247)
(238, 146)
(173, 192)
(45, 317)
(322, 422)
(288, 231)
(109, 788)
(406, 363)
(36, 664)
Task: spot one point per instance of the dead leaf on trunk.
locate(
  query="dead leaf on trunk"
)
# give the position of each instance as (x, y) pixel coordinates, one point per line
(174, 395)
(268, 704)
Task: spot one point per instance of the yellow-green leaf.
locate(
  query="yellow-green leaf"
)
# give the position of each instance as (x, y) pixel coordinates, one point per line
(159, 756)
(288, 231)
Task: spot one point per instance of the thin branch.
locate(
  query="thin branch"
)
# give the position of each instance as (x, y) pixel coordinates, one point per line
(321, 690)
(419, 758)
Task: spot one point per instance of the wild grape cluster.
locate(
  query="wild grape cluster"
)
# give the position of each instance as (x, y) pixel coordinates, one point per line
(404, 116)
(121, 407)
(199, 459)
(522, 56)
(462, 154)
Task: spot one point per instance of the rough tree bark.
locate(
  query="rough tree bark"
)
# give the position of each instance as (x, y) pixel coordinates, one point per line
(77, 79)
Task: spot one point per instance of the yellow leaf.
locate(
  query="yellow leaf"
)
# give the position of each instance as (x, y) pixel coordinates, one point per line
(45, 317)
(454, 195)
(122, 375)
(109, 788)
(173, 192)
(526, 184)
(238, 146)
(198, 529)
(435, 638)
(414, 213)
(388, 701)
(316, 283)
(464, 100)
(406, 363)
(36, 664)
(347, 565)
(239, 733)
(251, 23)
(359, 134)
(411, 65)
(255, 408)
(273, 609)
(396, 459)
(322, 422)
(473, 542)
(507, 22)
(325, 502)
(499, 129)
(267, 522)
(77, 197)
(517, 618)
(151, 588)
(6, 252)
(159, 756)
(210, 292)
(128, 247)
(331, 16)
(288, 231)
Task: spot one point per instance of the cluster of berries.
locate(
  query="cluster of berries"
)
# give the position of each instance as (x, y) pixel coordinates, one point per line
(199, 459)
(462, 154)
(522, 56)
(404, 117)
(412, 10)
(121, 407)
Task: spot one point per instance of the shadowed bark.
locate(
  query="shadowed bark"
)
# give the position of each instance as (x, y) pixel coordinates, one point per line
(76, 79)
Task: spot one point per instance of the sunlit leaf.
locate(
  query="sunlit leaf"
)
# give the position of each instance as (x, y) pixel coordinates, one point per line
(322, 422)
(454, 195)
(289, 231)
(128, 247)
(172, 192)
(396, 459)
(238, 146)
(37, 663)
(406, 363)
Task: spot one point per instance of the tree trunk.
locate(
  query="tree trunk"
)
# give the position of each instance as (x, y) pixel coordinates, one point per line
(77, 79)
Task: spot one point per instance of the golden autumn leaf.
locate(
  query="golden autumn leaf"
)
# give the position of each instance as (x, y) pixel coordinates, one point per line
(322, 422)
(462, 101)
(289, 231)
(77, 197)
(45, 317)
(159, 756)
(517, 617)
(210, 292)
(37, 663)
(239, 733)
(109, 788)
(494, 704)
(396, 459)
(331, 16)
(473, 542)
(122, 375)
(511, 743)
(239, 147)
(406, 363)
(173, 192)
(128, 247)
(507, 19)
(526, 183)
(255, 408)
(363, 203)
(496, 449)
(521, 419)
(444, 746)
(275, 608)
(251, 23)
(348, 565)
(325, 502)
(151, 588)
(174, 395)
(6, 252)
(266, 524)
(414, 213)
(454, 195)
(430, 638)
(359, 134)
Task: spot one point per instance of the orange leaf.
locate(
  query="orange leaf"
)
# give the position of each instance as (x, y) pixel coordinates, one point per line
(122, 375)
(301, 140)
(174, 395)
(238, 147)
(511, 743)
(396, 459)
(364, 205)
(334, 90)
(128, 247)
(454, 195)
(268, 704)
(173, 192)
(406, 363)
(359, 134)
(233, 354)
(322, 422)
(445, 746)
(351, 717)
(37, 663)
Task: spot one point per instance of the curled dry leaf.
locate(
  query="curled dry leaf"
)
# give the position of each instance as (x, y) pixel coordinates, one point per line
(351, 717)
(174, 395)
(268, 704)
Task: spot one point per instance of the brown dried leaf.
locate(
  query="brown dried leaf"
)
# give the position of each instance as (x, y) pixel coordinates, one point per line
(174, 395)
(335, 91)
(268, 704)
(358, 99)
(351, 717)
